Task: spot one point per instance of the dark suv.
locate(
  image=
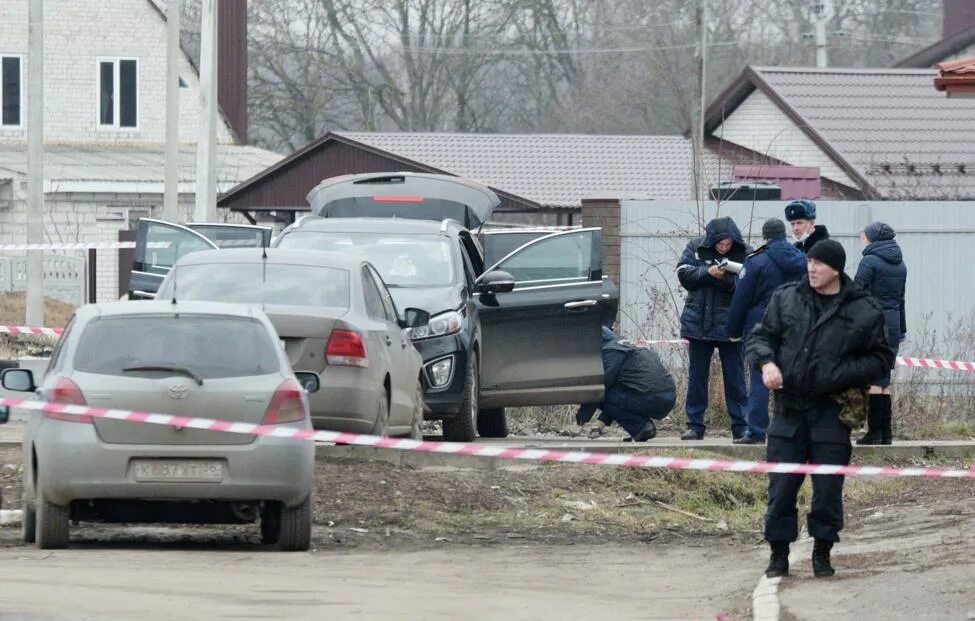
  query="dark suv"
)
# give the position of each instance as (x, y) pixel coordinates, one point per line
(525, 331)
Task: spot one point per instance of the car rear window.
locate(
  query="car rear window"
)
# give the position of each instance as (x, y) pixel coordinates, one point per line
(402, 260)
(212, 346)
(254, 283)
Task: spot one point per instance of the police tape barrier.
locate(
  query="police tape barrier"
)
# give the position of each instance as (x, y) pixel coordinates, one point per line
(480, 450)
(904, 361)
(224, 243)
(31, 331)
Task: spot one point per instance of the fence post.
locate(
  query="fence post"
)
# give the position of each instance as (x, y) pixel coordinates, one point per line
(92, 278)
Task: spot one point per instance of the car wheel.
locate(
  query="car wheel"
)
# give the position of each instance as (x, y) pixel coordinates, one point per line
(28, 527)
(294, 532)
(463, 426)
(416, 426)
(381, 426)
(492, 423)
(270, 523)
(53, 528)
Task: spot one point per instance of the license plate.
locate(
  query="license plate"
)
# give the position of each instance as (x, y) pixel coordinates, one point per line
(178, 470)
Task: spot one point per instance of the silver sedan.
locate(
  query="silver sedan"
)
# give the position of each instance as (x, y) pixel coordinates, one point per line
(189, 359)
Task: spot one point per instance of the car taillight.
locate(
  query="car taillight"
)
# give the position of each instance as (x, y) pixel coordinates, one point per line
(66, 391)
(346, 348)
(287, 405)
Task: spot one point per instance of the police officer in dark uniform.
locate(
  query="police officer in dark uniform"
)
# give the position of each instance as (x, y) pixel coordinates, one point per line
(639, 390)
(776, 263)
(820, 339)
(801, 214)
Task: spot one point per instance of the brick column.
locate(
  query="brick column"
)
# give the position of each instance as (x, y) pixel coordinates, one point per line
(605, 213)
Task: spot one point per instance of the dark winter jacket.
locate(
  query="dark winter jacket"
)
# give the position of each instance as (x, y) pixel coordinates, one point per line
(635, 367)
(705, 314)
(819, 234)
(883, 274)
(776, 263)
(846, 347)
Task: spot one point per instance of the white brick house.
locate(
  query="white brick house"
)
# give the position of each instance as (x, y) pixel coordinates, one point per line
(104, 124)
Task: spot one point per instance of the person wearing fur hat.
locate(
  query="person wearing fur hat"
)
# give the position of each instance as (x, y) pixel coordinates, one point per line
(801, 214)
(820, 339)
(883, 274)
(772, 265)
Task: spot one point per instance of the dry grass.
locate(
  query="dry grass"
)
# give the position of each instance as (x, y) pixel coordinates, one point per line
(12, 313)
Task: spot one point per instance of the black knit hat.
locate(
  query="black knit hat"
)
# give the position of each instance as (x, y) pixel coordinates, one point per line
(773, 229)
(829, 252)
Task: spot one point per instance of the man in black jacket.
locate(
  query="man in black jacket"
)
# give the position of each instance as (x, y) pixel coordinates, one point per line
(639, 390)
(801, 215)
(818, 338)
(704, 321)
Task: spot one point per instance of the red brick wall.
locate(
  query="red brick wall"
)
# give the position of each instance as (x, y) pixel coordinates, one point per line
(605, 213)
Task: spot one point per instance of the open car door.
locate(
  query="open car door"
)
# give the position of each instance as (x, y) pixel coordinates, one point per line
(542, 340)
(160, 244)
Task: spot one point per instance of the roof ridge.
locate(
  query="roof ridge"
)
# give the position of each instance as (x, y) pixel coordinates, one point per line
(506, 135)
(843, 70)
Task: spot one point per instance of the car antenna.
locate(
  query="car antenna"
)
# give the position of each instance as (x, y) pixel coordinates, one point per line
(175, 280)
(263, 274)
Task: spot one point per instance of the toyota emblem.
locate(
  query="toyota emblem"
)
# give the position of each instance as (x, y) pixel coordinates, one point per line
(178, 391)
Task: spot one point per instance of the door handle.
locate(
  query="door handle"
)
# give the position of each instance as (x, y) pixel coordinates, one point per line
(581, 304)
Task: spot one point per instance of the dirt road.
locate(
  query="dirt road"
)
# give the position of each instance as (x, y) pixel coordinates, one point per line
(210, 578)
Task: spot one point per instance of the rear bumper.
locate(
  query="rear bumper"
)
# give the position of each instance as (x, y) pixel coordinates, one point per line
(73, 464)
(347, 400)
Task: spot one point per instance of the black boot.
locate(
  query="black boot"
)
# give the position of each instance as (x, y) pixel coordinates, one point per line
(778, 563)
(874, 409)
(886, 432)
(820, 559)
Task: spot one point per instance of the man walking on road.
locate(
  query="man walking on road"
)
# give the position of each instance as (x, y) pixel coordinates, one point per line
(774, 264)
(821, 342)
(801, 214)
(704, 323)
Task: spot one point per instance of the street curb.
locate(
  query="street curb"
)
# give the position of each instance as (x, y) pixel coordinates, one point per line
(765, 599)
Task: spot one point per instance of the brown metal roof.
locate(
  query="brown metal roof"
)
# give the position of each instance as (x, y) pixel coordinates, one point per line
(887, 128)
(554, 171)
(957, 77)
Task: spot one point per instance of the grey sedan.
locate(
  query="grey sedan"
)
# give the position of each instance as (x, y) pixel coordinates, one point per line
(189, 359)
(335, 318)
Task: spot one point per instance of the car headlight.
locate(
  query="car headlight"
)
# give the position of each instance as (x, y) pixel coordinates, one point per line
(445, 323)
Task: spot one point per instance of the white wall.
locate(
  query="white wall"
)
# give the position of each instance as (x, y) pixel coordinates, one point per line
(758, 124)
(76, 34)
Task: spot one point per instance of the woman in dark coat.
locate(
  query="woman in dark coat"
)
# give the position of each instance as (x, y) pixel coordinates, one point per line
(883, 273)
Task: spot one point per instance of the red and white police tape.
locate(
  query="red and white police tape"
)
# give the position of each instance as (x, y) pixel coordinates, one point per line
(31, 331)
(904, 361)
(530, 454)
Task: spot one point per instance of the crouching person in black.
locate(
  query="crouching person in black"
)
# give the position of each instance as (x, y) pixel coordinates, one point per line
(821, 340)
(639, 390)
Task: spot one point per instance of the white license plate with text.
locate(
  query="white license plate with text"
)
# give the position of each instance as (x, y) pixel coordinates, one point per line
(178, 470)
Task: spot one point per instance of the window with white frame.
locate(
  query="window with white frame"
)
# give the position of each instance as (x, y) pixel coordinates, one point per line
(118, 93)
(11, 90)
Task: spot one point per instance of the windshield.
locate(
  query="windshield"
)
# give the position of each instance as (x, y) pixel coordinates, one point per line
(402, 261)
(207, 346)
(248, 283)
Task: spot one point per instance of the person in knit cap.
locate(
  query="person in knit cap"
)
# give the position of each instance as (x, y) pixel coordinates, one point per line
(772, 265)
(883, 274)
(821, 341)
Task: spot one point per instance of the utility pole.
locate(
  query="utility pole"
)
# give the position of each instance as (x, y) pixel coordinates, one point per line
(171, 198)
(819, 11)
(35, 163)
(697, 123)
(206, 156)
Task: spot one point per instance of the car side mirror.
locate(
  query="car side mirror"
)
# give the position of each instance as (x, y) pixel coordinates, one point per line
(496, 282)
(309, 381)
(414, 318)
(18, 380)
